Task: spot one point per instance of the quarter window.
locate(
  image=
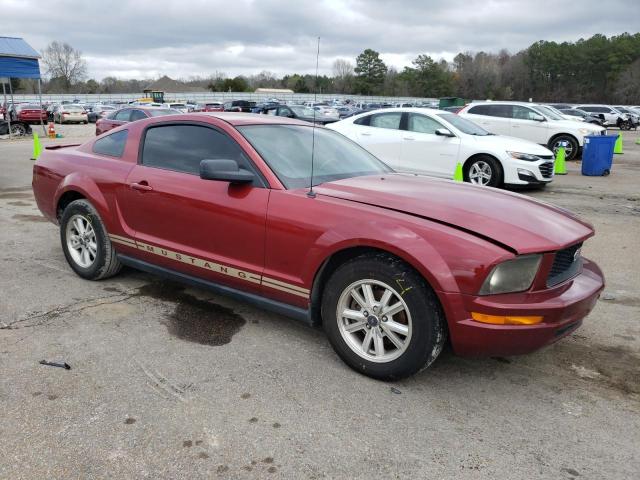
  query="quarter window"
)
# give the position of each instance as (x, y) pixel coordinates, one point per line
(182, 147)
(386, 120)
(111, 145)
(422, 124)
(363, 120)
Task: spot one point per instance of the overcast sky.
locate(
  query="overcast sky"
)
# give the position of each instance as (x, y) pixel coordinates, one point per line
(149, 38)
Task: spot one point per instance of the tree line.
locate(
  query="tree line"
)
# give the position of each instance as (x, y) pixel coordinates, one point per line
(597, 69)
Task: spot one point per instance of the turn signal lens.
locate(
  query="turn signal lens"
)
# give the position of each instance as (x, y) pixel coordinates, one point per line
(506, 320)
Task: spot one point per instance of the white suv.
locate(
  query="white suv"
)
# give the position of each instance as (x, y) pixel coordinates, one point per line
(533, 122)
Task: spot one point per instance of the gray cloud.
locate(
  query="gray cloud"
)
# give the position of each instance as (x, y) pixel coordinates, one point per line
(148, 38)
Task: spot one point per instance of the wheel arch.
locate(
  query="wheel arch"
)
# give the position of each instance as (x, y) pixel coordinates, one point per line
(78, 186)
(345, 253)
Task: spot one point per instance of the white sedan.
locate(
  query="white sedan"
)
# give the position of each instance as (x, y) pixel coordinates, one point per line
(432, 142)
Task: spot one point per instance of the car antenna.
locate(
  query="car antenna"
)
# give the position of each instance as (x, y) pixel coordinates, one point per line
(311, 193)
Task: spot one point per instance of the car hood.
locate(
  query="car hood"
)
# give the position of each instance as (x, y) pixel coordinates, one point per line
(511, 144)
(511, 220)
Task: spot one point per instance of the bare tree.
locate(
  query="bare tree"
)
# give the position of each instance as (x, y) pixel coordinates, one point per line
(343, 74)
(65, 63)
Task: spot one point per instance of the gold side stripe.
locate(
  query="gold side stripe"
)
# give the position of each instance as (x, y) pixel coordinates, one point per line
(287, 289)
(273, 281)
(212, 266)
(118, 237)
(124, 242)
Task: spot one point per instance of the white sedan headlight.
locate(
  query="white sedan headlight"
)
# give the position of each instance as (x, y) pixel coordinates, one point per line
(586, 131)
(515, 275)
(523, 156)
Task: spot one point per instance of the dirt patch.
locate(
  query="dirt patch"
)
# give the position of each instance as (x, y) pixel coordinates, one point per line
(20, 204)
(29, 218)
(195, 320)
(617, 367)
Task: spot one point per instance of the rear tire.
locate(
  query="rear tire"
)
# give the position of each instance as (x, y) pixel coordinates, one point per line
(85, 242)
(18, 130)
(394, 329)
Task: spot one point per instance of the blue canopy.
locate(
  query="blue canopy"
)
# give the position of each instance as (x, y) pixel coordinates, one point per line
(18, 59)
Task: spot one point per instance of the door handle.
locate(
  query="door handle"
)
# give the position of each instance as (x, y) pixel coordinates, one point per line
(364, 134)
(515, 126)
(408, 138)
(141, 187)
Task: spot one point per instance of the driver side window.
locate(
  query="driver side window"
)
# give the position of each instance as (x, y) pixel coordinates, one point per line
(523, 113)
(422, 124)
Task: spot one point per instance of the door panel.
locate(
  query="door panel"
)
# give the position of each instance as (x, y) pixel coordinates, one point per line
(523, 125)
(205, 228)
(425, 152)
(382, 136)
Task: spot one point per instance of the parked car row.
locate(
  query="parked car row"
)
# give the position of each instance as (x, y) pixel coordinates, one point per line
(622, 117)
(432, 142)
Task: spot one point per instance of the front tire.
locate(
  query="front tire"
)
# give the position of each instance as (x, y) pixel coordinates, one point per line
(483, 170)
(571, 150)
(382, 318)
(85, 242)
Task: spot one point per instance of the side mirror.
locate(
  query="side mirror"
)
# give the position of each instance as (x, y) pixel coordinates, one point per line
(225, 171)
(538, 118)
(444, 132)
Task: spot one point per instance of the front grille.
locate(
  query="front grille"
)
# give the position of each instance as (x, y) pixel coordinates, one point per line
(566, 264)
(545, 157)
(546, 169)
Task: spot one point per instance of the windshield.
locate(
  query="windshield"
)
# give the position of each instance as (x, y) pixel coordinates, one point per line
(464, 125)
(548, 111)
(287, 151)
(302, 111)
(158, 112)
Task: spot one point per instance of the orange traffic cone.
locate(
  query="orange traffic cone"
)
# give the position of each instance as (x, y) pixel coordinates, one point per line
(51, 133)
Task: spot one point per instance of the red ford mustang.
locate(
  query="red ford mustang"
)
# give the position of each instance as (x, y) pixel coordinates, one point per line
(390, 264)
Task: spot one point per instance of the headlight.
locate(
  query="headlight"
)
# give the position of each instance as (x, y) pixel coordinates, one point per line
(585, 131)
(523, 156)
(514, 275)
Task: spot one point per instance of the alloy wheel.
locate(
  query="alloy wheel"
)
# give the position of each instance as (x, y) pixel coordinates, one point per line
(81, 241)
(374, 320)
(568, 147)
(480, 173)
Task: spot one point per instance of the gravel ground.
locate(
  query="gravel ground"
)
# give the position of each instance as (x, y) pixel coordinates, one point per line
(172, 382)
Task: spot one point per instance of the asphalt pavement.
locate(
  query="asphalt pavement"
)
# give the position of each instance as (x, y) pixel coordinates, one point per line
(171, 382)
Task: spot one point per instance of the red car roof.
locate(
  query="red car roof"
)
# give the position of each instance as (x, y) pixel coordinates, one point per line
(237, 118)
